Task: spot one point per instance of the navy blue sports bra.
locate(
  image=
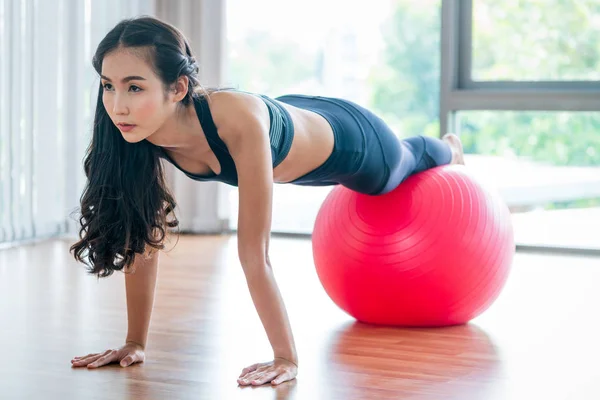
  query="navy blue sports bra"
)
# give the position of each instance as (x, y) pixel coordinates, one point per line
(281, 133)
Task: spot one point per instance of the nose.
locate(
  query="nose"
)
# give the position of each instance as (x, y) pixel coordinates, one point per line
(120, 106)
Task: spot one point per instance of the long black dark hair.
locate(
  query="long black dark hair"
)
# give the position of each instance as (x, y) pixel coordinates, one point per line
(126, 202)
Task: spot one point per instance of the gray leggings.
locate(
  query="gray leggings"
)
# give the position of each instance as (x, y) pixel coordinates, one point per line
(367, 157)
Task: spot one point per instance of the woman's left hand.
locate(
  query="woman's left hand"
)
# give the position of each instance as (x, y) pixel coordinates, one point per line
(277, 371)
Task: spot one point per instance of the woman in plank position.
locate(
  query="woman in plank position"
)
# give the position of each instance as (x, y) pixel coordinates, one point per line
(151, 106)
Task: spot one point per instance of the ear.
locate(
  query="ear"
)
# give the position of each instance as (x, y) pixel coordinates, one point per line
(180, 88)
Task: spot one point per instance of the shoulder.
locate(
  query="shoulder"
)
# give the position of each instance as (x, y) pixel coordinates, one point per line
(236, 113)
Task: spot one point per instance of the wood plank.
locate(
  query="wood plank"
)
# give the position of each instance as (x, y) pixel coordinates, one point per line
(539, 340)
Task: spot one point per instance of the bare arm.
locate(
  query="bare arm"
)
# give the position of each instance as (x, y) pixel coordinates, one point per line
(250, 148)
(140, 284)
(271, 310)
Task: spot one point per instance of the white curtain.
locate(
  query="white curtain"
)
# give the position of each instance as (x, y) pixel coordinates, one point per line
(47, 96)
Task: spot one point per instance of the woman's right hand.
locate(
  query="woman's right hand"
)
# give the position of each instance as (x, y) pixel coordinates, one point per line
(127, 355)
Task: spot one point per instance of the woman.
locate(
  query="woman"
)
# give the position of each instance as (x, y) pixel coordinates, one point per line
(150, 106)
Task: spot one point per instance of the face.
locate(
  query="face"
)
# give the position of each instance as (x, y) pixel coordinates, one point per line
(133, 96)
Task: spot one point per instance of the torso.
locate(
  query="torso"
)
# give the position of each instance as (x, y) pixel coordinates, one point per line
(312, 143)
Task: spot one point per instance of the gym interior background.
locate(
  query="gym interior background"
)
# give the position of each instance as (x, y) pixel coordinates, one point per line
(519, 81)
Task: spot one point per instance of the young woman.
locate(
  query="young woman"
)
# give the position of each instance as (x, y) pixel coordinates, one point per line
(151, 106)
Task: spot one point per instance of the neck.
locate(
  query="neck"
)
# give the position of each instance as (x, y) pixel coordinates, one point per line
(180, 133)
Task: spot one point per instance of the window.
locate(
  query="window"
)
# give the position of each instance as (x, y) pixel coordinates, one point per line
(547, 168)
(381, 54)
(517, 80)
(536, 41)
(520, 84)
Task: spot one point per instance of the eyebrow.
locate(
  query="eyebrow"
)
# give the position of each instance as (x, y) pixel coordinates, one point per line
(126, 79)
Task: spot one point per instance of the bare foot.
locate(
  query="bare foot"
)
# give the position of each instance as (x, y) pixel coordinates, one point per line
(456, 147)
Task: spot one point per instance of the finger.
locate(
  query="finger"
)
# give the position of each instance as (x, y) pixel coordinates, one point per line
(257, 371)
(127, 361)
(95, 355)
(102, 361)
(281, 378)
(251, 368)
(92, 355)
(86, 361)
(263, 378)
(262, 368)
(110, 357)
(247, 379)
(248, 374)
(81, 357)
(254, 377)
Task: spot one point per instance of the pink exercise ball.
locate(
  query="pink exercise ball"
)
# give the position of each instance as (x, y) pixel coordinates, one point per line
(435, 251)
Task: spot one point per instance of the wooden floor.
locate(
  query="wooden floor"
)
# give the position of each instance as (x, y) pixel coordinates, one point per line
(540, 340)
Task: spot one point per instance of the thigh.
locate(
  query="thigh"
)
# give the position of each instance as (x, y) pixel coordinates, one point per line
(381, 152)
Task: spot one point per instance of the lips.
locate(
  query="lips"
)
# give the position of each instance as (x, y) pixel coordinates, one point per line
(125, 127)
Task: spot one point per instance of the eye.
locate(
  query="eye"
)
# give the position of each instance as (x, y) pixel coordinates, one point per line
(107, 86)
(137, 88)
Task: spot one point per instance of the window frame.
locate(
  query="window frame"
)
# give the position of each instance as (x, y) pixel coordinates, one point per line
(459, 92)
